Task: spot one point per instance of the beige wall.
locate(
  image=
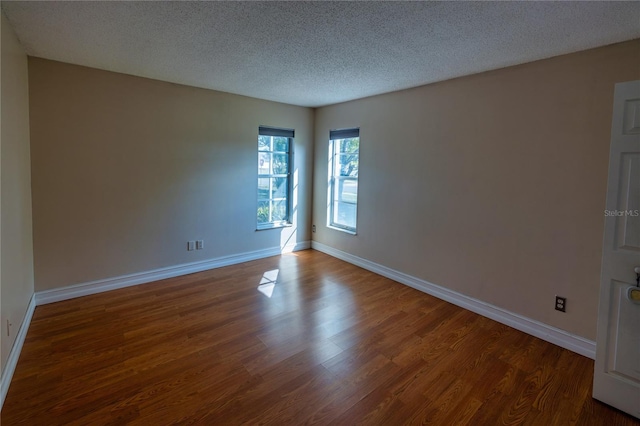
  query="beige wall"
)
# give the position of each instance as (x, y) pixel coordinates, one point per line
(492, 185)
(16, 252)
(126, 170)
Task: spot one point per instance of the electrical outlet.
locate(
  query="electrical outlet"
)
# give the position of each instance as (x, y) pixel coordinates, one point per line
(561, 304)
(191, 245)
(313, 228)
(199, 244)
(8, 328)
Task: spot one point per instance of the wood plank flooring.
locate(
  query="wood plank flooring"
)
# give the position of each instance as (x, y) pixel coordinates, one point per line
(328, 343)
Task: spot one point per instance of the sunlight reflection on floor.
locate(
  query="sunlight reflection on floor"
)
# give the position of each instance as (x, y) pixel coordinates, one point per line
(268, 282)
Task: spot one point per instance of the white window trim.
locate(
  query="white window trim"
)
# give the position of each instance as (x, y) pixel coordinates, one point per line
(280, 223)
(331, 189)
(341, 229)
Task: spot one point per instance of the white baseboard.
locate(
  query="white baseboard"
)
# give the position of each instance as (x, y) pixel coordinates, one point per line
(99, 286)
(12, 361)
(535, 328)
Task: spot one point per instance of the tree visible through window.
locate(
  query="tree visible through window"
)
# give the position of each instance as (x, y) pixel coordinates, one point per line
(274, 165)
(344, 152)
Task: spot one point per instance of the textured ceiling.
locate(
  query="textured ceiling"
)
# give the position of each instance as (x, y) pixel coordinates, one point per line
(314, 53)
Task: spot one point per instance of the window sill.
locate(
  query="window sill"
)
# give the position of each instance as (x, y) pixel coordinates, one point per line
(273, 226)
(337, 228)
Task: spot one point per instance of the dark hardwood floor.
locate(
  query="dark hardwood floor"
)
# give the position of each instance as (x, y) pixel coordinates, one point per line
(328, 343)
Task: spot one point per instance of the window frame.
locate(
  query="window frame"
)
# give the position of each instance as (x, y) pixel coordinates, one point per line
(335, 138)
(272, 133)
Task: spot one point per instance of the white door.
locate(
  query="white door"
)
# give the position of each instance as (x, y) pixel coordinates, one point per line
(617, 369)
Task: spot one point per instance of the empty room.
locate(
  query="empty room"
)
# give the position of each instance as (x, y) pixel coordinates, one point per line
(333, 213)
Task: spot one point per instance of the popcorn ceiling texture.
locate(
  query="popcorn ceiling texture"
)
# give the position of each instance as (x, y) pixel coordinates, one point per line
(314, 53)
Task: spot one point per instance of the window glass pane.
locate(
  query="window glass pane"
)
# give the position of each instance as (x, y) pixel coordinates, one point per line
(351, 145)
(263, 163)
(344, 214)
(279, 187)
(348, 191)
(348, 165)
(263, 189)
(263, 212)
(264, 143)
(281, 144)
(279, 210)
(280, 163)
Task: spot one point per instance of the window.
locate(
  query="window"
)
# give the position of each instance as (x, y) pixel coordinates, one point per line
(344, 148)
(274, 176)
